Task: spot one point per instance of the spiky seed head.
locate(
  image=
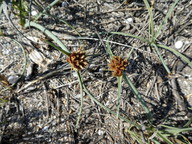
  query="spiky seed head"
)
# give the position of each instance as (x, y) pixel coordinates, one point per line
(77, 60)
(117, 65)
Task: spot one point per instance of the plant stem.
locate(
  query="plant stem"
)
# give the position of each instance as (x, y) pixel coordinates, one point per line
(165, 19)
(48, 7)
(81, 105)
(161, 58)
(139, 97)
(109, 110)
(119, 94)
(130, 35)
(50, 34)
(183, 57)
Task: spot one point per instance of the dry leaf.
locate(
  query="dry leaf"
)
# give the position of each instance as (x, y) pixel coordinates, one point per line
(39, 58)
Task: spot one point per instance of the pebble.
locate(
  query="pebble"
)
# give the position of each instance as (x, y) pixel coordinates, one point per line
(178, 44)
(78, 96)
(45, 129)
(13, 79)
(64, 4)
(34, 13)
(100, 132)
(29, 73)
(129, 20)
(187, 42)
(75, 74)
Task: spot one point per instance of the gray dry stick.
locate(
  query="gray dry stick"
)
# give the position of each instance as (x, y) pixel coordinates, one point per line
(50, 74)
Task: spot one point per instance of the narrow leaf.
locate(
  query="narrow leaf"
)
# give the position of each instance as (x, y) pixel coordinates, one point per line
(130, 35)
(139, 97)
(184, 58)
(48, 33)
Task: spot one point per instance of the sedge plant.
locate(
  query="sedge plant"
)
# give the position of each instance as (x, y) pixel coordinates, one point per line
(153, 36)
(72, 57)
(154, 133)
(167, 131)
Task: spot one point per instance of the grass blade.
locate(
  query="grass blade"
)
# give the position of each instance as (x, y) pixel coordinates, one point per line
(24, 63)
(3, 101)
(56, 47)
(161, 58)
(66, 23)
(81, 93)
(109, 47)
(139, 97)
(147, 5)
(164, 138)
(187, 141)
(188, 123)
(119, 94)
(22, 12)
(175, 130)
(151, 22)
(47, 32)
(135, 136)
(129, 54)
(1, 8)
(130, 35)
(109, 110)
(155, 141)
(48, 7)
(165, 19)
(184, 58)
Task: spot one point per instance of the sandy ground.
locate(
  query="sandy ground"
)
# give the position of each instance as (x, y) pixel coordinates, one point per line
(44, 105)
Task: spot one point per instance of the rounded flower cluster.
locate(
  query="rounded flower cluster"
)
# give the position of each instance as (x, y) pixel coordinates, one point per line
(77, 60)
(117, 65)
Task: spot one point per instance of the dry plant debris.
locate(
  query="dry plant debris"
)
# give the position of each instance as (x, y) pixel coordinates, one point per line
(43, 108)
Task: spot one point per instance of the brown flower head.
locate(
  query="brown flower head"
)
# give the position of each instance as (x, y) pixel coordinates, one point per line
(117, 65)
(77, 60)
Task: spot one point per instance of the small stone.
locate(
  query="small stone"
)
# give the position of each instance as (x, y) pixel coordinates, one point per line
(100, 132)
(34, 13)
(75, 74)
(64, 4)
(13, 79)
(129, 20)
(78, 96)
(187, 42)
(45, 128)
(178, 44)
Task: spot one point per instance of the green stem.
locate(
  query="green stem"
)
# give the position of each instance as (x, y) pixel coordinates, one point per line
(119, 94)
(109, 110)
(50, 34)
(51, 5)
(139, 97)
(130, 35)
(24, 63)
(165, 19)
(81, 106)
(184, 58)
(161, 58)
